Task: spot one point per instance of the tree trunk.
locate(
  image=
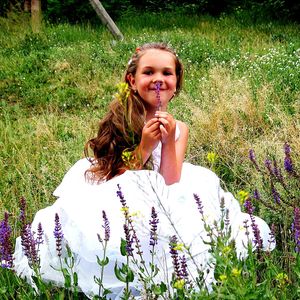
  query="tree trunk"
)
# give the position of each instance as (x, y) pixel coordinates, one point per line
(27, 6)
(106, 19)
(36, 15)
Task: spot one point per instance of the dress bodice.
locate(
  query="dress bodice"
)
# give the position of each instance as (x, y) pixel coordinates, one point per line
(156, 154)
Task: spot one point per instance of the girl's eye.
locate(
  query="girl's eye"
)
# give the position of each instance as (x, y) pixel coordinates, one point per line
(148, 72)
(167, 73)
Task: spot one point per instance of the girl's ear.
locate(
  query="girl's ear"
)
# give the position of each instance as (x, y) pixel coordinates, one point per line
(131, 79)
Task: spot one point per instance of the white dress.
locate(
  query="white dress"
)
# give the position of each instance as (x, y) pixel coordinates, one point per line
(80, 205)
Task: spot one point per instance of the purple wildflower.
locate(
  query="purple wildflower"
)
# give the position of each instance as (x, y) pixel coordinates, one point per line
(272, 239)
(153, 230)
(246, 226)
(106, 227)
(296, 228)
(30, 246)
(175, 257)
(6, 248)
(129, 240)
(184, 271)
(256, 232)
(256, 194)
(249, 207)
(288, 164)
(199, 203)
(275, 194)
(121, 196)
(253, 158)
(157, 90)
(58, 235)
(268, 165)
(22, 211)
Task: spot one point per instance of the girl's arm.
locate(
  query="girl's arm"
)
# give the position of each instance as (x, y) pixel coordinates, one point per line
(173, 152)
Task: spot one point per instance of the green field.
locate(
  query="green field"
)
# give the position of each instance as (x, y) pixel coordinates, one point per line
(241, 92)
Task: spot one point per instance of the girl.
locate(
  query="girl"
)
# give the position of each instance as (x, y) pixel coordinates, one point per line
(137, 165)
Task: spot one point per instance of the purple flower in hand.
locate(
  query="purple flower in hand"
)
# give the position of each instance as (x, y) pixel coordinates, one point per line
(157, 90)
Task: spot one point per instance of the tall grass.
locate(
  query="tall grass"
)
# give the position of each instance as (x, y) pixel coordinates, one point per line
(242, 91)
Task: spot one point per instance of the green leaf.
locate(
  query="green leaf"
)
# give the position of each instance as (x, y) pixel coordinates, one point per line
(118, 273)
(123, 247)
(102, 262)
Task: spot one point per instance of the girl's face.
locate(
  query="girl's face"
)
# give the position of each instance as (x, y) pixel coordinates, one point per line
(155, 65)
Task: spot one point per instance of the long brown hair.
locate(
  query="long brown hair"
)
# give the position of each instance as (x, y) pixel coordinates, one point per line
(121, 128)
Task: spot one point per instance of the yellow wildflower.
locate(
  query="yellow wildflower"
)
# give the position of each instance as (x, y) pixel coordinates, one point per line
(226, 250)
(179, 247)
(242, 196)
(282, 279)
(124, 209)
(212, 157)
(179, 284)
(123, 92)
(222, 277)
(236, 272)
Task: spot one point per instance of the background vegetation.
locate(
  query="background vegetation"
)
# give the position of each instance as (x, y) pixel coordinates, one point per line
(241, 91)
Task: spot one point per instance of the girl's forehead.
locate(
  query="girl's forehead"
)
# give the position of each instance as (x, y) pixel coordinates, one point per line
(157, 56)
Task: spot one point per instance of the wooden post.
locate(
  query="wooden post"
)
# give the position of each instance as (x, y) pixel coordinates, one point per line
(106, 19)
(36, 16)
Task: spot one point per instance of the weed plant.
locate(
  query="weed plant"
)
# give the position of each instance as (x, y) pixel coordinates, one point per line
(241, 92)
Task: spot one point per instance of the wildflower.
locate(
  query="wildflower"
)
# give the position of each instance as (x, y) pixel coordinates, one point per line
(58, 235)
(22, 211)
(179, 284)
(153, 227)
(199, 204)
(106, 227)
(212, 157)
(6, 247)
(253, 158)
(179, 247)
(157, 90)
(184, 272)
(121, 196)
(272, 239)
(175, 258)
(222, 277)
(256, 232)
(123, 93)
(30, 246)
(129, 240)
(275, 194)
(296, 228)
(268, 165)
(288, 164)
(236, 272)
(226, 250)
(256, 195)
(242, 196)
(282, 279)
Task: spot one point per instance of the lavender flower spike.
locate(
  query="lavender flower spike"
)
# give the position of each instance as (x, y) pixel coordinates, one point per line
(175, 256)
(153, 231)
(58, 235)
(288, 164)
(106, 227)
(157, 90)
(6, 248)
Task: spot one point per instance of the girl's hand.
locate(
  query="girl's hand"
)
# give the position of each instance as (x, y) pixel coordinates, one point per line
(167, 126)
(151, 135)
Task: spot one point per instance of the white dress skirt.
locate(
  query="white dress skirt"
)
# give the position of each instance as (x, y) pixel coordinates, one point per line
(80, 204)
